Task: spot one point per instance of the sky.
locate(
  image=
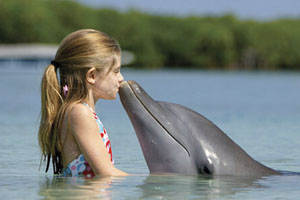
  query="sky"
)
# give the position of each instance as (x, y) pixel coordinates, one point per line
(245, 9)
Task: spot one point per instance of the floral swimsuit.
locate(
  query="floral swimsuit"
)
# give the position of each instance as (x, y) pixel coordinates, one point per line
(80, 166)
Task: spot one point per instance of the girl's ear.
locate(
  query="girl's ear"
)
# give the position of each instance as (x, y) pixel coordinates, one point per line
(91, 75)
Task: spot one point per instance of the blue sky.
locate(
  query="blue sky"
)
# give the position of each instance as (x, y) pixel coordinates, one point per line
(256, 9)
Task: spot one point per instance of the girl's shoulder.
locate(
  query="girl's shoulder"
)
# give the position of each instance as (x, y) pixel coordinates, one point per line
(78, 112)
(81, 120)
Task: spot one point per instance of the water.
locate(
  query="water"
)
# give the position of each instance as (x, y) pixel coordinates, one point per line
(258, 110)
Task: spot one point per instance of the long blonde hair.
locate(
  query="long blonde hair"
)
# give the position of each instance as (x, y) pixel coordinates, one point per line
(77, 53)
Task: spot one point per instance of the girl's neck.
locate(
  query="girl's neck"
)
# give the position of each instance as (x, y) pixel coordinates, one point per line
(90, 101)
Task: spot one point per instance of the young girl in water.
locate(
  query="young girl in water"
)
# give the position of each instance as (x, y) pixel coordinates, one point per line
(86, 68)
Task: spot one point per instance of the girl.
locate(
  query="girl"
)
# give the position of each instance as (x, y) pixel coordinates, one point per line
(86, 68)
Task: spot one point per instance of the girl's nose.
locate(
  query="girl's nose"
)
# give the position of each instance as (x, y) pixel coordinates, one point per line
(121, 78)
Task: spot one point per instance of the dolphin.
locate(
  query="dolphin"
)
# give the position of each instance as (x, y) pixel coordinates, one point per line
(177, 140)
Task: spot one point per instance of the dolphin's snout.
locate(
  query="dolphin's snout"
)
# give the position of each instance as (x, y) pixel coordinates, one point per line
(129, 83)
(123, 84)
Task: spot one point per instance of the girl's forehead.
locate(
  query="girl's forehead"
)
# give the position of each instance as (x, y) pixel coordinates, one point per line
(116, 62)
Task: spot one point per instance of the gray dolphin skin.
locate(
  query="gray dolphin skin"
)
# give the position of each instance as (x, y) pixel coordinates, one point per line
(177, 140)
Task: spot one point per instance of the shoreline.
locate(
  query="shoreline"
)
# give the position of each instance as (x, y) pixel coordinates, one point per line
(42, 52)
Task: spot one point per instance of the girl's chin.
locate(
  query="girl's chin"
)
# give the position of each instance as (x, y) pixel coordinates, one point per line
(112, 97)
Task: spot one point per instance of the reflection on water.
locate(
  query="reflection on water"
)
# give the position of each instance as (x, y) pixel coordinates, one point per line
(147, 187)
(171, 187)
(77, 188)
(188, 187)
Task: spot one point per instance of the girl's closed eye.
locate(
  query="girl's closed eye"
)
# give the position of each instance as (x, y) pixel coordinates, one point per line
(117, 70)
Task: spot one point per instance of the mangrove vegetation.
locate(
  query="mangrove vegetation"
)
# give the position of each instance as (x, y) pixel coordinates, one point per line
(199, 42)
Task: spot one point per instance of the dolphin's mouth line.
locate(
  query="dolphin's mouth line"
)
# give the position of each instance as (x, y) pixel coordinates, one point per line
(150, 113)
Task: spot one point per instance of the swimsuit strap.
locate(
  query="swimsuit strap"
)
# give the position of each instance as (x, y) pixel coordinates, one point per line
(95, 115)
(87, 105)
(102, 132)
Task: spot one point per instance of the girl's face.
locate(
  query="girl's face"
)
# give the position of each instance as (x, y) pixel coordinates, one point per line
(107, 83)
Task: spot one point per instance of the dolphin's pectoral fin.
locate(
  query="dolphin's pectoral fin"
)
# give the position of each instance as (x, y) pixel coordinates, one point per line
(206, 170)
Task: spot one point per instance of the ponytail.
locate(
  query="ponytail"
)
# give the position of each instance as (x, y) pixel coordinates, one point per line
(51, 102)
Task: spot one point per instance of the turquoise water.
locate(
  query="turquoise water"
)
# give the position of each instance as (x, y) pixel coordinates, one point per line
(259, 110)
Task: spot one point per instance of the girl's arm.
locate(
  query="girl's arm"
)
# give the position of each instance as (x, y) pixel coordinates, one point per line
(86, 133)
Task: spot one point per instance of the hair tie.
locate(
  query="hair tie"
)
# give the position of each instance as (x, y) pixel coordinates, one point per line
(55, 64)
(65, 90)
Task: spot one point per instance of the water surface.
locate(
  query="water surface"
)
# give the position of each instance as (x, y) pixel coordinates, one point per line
(260, 111)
